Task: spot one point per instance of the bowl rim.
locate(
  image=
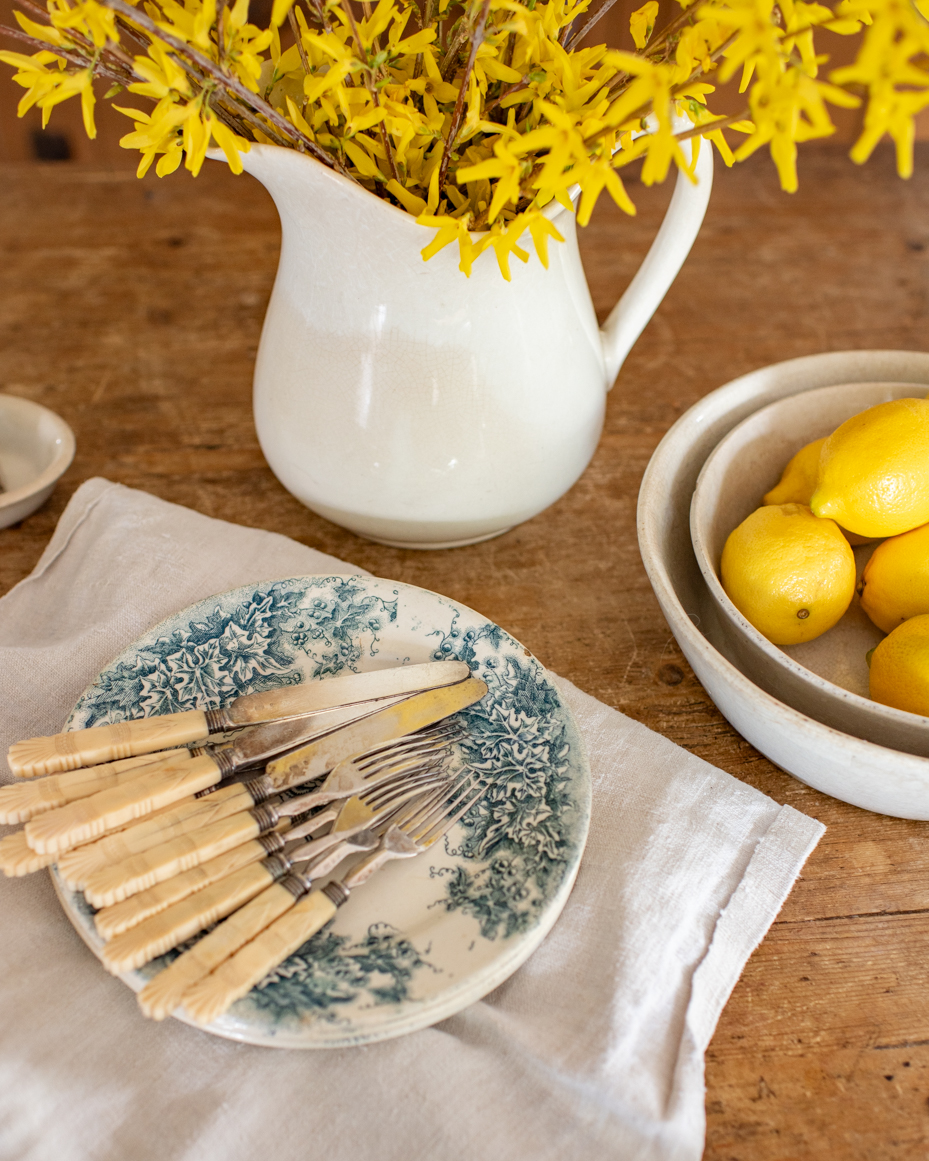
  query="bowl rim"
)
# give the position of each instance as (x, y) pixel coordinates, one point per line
(60, 463)
(710, 576)
(660, 468)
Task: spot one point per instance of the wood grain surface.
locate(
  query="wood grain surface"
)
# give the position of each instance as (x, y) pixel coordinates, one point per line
(134, 310)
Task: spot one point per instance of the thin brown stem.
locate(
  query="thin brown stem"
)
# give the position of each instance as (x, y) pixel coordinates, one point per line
(295, 29)
(660, 41)
(82, 62)
(516, 87)
(588, 24)
(315, 8)
(425, 22)
(449, 61)
(251, 101)
(221, 33)
(712, 126)
(372, 88)
(110, 49)
(477, 38)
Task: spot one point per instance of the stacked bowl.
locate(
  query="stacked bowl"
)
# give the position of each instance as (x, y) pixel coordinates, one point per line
(804, 707)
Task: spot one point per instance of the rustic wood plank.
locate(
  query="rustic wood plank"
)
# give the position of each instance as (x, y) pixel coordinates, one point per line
(134, 309)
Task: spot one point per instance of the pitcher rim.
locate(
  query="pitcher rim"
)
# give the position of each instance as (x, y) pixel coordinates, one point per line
(552, 211)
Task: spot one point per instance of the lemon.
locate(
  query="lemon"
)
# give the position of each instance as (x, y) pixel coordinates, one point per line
(895, 584)
(900, 667)
(798, 483)
(789, 573)
(798, 480)
(874, 470)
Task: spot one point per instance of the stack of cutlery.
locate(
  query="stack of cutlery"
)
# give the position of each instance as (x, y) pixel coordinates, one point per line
(172, 824)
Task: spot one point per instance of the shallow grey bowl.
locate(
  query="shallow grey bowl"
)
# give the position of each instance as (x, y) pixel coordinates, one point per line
(36, 449)
(860, 772)
(826, 678)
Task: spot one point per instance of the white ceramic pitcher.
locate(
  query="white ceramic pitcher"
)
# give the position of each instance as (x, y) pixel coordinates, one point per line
(416, 406)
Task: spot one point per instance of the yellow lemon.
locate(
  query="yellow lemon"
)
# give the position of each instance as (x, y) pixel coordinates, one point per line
(900, 667)
(895, 583)
(798, 480)
(874, 470)
(798, 483)
(789, 573)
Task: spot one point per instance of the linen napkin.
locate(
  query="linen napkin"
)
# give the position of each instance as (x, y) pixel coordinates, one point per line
(593, 1049)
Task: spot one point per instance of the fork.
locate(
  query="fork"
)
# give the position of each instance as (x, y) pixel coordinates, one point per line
(410, 766)
(371, 767)
(164, 992)
(194, 813)
(256, 894)
(212, 995)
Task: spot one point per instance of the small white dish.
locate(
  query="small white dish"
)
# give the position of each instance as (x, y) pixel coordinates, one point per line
(425, 937)
(826, 678)
(848, 768)
(36, 449)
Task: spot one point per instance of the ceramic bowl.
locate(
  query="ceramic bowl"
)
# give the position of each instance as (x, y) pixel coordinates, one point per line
(854, 770)
(826, 678)
(36, 449)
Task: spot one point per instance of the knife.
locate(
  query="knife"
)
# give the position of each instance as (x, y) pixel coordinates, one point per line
(344, 733)
(97, 744)
(320, 755)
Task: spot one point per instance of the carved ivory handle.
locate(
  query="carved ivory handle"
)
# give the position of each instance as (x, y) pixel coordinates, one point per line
(161, 932)
(164, 993)
(24, 800)
(112, 921)
(113, 883)
(213, 995)
(77, 865)
(18, 858)
(35, 756)
(156, 786)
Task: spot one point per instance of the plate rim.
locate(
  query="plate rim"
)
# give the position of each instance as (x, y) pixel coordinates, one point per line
(459, 995)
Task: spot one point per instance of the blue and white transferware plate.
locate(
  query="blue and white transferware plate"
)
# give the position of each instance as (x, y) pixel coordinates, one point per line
(424, 937)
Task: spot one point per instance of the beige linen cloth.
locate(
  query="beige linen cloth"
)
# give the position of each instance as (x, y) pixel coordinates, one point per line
(592, 1050)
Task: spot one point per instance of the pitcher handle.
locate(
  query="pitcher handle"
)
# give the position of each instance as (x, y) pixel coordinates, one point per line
(671, 246)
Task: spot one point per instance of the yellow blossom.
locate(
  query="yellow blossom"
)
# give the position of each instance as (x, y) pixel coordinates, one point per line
(478, 119)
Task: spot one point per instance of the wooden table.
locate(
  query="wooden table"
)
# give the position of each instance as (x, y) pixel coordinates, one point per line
(134, 310)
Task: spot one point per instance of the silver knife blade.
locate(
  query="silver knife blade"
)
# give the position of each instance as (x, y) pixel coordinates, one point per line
(259, 743)
(318, 756)
(313, 697)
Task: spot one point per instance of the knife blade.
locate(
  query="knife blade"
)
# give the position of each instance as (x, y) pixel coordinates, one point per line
(405, 717)
(97, 744)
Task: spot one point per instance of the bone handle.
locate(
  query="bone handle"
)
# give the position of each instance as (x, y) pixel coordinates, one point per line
(35, 756)
(17, 857)
(159, 785)
(212, 996)
(114, 883)
(163, 994)
(169, 928)
(24, 800)
(77, 865)
(112, 921)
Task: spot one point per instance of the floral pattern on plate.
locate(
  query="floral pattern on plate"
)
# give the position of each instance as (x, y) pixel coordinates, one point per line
(428, 936)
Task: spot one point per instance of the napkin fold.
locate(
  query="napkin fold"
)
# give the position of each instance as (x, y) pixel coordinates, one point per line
(593, 1049)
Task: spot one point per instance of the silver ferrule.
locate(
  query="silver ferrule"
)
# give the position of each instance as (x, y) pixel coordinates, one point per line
(272, 842)
(297, 885)
(217, 721)
(266, 817)
(260, 789)
(224, 761)
(336, 891)
(277, 866)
